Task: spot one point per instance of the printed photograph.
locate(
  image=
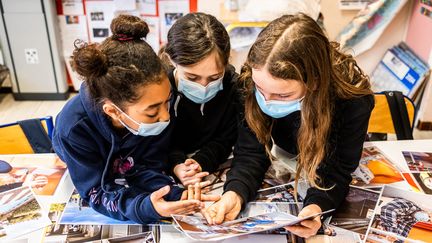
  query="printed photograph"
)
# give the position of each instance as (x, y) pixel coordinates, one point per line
(418, 161)
(401, 215)
(356, 211)
(42, 175)
(97, 16)
(20, 213)
(375, 169)
(424, 180)
(197, 228)
(100, 32)
(146, 237)
(281, 193)
(72, 19)
(100, 233)
(170, 18)
(78, 212)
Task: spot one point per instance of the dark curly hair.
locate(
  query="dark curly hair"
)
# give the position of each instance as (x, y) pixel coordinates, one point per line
(122, 63)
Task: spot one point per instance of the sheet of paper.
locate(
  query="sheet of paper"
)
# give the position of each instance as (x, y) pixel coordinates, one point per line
(99, 17)
(20, 213)
(169, 12)
(73, 7)
(147, 7)
(72, 27)
(197, 228)
(153, 37)
(126, 5)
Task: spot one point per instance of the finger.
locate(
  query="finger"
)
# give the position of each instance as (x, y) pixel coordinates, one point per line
(190, 192)
(201, 174)
(189, 162)
(157, 195)
(184, 195)
(197, 190)
(193, 181)
(204, 184)
(220, 215)
(299, 230)
(309, 224)
(173, 206)
(186, 183)
(205, 190)
(190, 173)
(210, 198)
(206, 216)
(187, 210)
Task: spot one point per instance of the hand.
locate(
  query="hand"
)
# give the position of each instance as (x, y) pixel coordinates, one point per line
(165, 208)
(310, 227)
(189, 172)
(226, 209)
(196, 192)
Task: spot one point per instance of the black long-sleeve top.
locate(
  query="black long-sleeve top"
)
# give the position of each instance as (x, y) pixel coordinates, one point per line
(210, 129)
(349, 126)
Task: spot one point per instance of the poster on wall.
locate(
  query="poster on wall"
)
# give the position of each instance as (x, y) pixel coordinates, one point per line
(72, 7)
(147, 7)
(72, 27)
(153, 36)
(169, 12)
(99, 17)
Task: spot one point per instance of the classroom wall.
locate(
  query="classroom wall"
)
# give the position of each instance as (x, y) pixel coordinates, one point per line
(335, 19)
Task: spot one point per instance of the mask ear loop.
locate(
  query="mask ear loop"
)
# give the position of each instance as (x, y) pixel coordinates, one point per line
(130, 118)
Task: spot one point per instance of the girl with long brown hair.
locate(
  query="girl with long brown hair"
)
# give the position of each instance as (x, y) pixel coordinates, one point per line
(302, 94)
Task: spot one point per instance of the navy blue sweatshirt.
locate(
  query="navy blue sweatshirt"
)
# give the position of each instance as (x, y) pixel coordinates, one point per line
(86, 140)
(348, 131)
(210, 129)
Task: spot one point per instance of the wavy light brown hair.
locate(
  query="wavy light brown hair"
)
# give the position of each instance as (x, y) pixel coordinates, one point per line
(294, 47)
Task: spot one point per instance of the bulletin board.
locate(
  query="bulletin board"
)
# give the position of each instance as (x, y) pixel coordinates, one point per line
(90, 20)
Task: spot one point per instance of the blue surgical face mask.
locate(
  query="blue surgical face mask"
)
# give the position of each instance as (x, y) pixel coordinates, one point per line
(144, 129)
(198, 93)
(276, 108)
(421, 216)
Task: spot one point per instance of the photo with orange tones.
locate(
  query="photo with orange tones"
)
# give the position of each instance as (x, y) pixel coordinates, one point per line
(375, 169)
(43, 174)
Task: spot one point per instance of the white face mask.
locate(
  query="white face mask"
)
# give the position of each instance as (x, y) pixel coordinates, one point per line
(144, 129)
(198, 93)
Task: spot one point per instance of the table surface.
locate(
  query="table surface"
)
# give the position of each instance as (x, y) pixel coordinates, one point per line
(392, 149)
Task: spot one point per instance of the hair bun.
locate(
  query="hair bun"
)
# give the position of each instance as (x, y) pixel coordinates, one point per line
(129, 26)
(89, 61)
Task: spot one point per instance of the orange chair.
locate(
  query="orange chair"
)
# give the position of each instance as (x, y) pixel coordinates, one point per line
(27, 136)
(399, 121)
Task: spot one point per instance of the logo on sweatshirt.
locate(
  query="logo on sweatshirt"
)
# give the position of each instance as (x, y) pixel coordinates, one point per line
(123, 165)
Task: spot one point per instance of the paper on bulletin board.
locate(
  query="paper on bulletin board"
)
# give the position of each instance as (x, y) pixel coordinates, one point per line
(99, 17)
(169, 12)
(147, 7)
(72, 7)
(72, 27)
(153, 36)
(126, 5)
(74, 76)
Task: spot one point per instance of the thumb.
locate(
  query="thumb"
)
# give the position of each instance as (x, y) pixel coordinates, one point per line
(188, 162)
(160, 193)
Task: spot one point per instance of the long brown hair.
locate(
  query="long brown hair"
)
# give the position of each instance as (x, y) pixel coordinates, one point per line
(121, 64)
(294, 47)
(193, 37)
